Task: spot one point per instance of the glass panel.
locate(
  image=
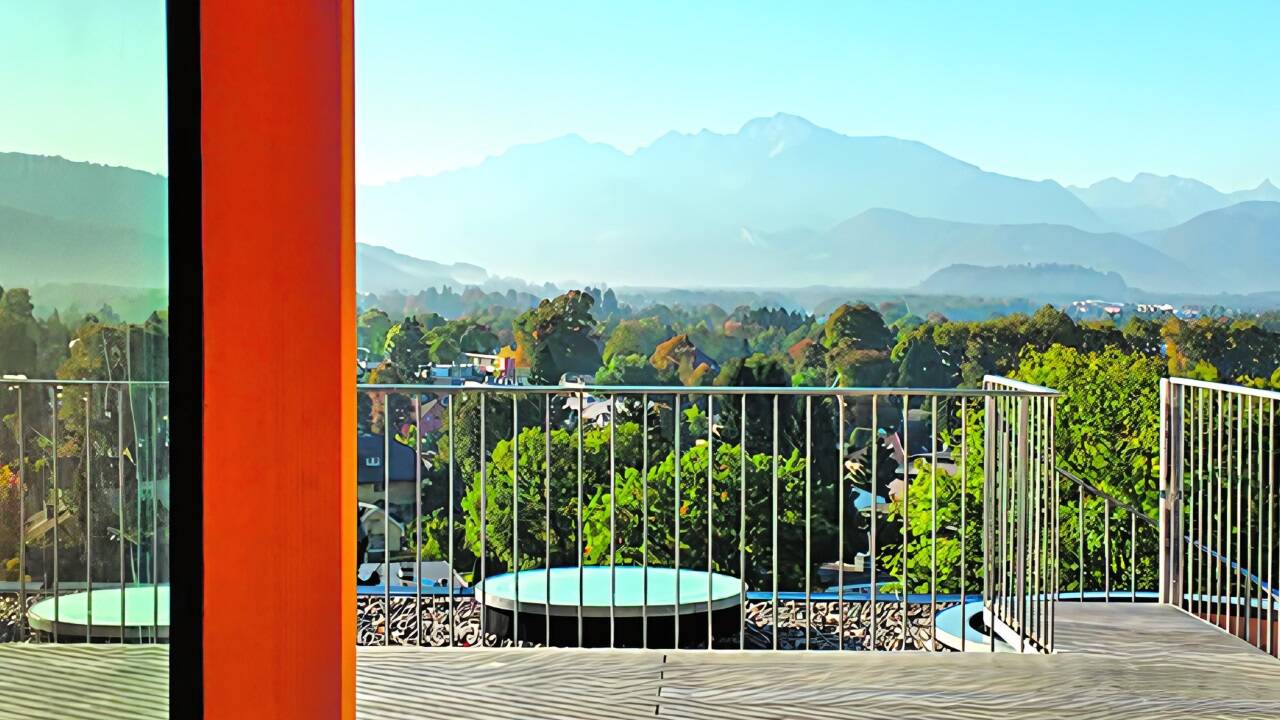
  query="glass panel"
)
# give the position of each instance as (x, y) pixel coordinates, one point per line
(84, 459)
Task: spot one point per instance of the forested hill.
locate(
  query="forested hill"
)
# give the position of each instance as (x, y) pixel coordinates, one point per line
(77, 222)
(1071, 281)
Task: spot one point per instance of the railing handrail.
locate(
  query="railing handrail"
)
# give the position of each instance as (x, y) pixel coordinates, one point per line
(1023, 391)
(1225, 387)
(40, 381)
(1024, 388)
(1096, 492)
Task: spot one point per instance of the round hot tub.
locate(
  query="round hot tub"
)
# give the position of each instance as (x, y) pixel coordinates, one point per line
(648, 606)
(140, 612)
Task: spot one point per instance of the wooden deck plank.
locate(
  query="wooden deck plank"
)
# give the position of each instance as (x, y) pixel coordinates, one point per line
(1116, 661)
(84, 682)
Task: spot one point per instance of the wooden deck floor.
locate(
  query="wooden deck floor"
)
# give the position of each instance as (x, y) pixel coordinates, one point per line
(84, 682)
(1114, 661)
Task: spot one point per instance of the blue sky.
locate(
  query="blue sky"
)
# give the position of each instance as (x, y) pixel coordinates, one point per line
(84, 79)
(1075, 92)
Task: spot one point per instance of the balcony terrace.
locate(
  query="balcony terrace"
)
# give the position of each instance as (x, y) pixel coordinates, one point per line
(1009, 588)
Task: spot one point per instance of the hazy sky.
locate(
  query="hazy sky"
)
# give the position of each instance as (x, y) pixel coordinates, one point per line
(1075, 92)
(84, 79)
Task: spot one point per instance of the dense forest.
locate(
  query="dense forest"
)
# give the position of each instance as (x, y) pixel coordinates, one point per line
(122, 429)
(1108, 374)
(855, 344)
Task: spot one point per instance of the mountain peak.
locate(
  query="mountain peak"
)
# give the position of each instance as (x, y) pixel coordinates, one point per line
(781, 127)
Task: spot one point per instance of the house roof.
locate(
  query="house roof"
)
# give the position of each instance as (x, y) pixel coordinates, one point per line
(369, 460)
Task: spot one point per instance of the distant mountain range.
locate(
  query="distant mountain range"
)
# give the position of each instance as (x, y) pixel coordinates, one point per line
(1150, 202)
(693, 209)
(380, 270)
(74, 222)
(1027, 281)
(782, 203)
(901, 250)
(1236, 248)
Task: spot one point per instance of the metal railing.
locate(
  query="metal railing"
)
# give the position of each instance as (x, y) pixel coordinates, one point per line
(1218, 520)
(84, 507)
(1110, 554)
(781, 490)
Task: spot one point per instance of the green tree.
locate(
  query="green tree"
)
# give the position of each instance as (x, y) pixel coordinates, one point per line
(859, 327)
(557, 338)
(635, 337)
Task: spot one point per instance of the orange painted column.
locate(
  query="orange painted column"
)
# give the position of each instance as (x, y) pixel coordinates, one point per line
(279, 315)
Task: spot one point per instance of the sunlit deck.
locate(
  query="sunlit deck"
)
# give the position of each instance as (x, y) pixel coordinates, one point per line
(84, 682)
(1113, 661)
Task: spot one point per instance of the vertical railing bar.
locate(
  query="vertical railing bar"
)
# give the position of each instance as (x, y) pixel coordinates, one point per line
(644, 533)
(906, 505)
(742, 523)
(988, 512)
(120, 501)
(774, 523)
(613, 521)
(1041, 506)
(386, 514)
(1133, 557)
(1080, 532)
(874, 452)
(484, 508)
(1193, 501)
(22, 524)
(88, 513)
(453, 608)
(808, 507)
(1023, 472)
(1055, 523)
(515, 518)
(1195, 589)
(675, 621)
(1246, 477)
(1051, 477)
(1165, 503)
(1041, 515)
(417, 509)
(1218, 611)
(1213, 505)
(963, 476)
(582, 403)
(1003, 485)
(56, 520)
(155, 520)
(1000, 486)
(1258, 474)
(1271, 531)
(840, 503)
(1186, 486)
(933, 525)
(1234, 555)
(1224, 508)
(1106, 548)
(1036, 497)
(1177, 487)
(546, 527)
(1206, 498)
(711, 452)
(644, 519)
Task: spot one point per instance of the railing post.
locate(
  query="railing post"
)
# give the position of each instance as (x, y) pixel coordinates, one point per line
(1170, 492)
